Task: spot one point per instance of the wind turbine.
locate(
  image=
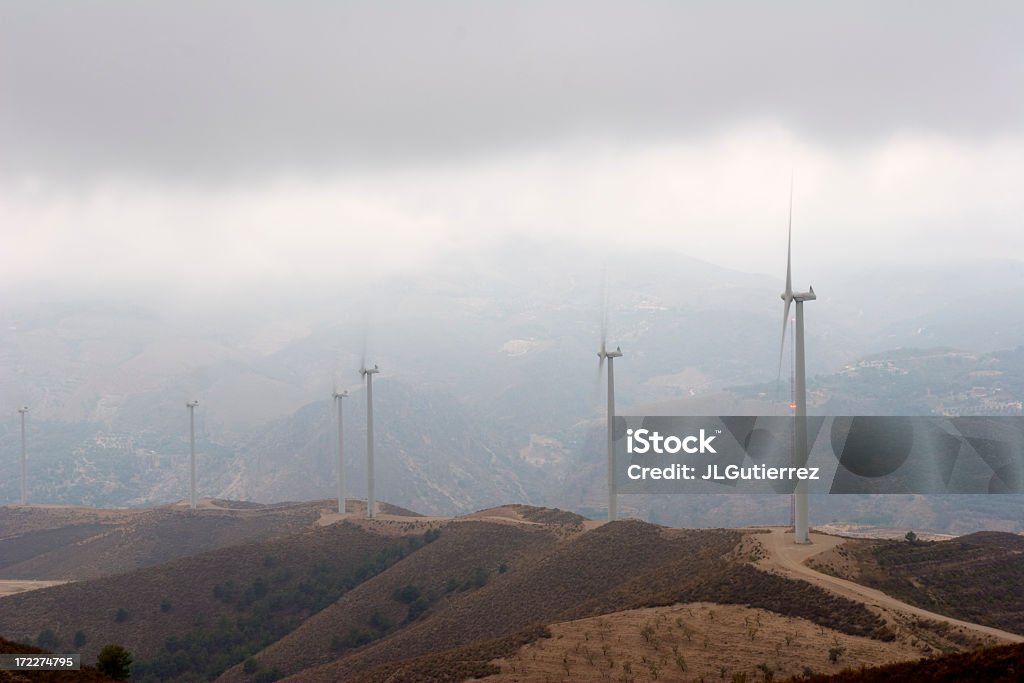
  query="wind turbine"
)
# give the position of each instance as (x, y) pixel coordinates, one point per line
(610, 356)
(24, 488)
(191, 405)
(341, 460)
(800, 528)
(368, 373)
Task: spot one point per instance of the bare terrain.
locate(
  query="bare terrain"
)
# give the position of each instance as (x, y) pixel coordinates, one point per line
(12, 587)
(238, 592)
(688, 642)
(790, 559)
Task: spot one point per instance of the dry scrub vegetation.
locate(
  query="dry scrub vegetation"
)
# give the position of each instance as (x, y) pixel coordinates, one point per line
(976, 578)
(401, 599)
(1003, 664)
(78, 544)
(144, 609)
(691, 642)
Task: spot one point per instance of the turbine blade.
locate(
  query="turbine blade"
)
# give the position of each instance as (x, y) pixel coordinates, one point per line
(604, 321)
(782, 345)
(787, 295)
(363, 345)
(789, 244)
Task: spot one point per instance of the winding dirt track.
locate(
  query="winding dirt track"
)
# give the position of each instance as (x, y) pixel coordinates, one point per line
(10, 587)
(788, 558)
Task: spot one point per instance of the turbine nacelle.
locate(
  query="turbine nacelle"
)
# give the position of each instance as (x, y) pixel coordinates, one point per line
(799, 296)
(805, 296)
(191, 404)
(369, 371)
(602, 354)
(343, 394)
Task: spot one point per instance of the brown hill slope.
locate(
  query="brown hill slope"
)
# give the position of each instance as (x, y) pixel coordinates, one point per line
(416, 599)
(225, 602)
(48, 543)
(76, 544)
(619, 566)
(584, 570)
(466, 556)
(1003, 664)
(17, 519)
(975, 578)
(87, 674)
(689, 642)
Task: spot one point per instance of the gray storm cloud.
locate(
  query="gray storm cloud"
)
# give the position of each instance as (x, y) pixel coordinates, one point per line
(231, 90)
(225, 143)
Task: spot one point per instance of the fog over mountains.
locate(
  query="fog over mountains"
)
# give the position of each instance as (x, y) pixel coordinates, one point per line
(489, 390)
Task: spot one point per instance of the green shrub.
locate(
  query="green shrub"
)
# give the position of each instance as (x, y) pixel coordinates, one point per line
(115, 661)
(268, 676)
(47, 640)
(407, 594)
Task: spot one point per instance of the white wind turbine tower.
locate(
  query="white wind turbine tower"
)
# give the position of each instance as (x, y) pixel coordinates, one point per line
(801, 530)
(341, 460)
(368, 373)
(24, 467)
(610, 356)
(191, 405)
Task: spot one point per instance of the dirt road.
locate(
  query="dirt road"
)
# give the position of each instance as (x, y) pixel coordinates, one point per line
(788, 558)
(10, 587)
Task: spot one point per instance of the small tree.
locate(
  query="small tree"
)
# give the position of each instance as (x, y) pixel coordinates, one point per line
(115, 661)
(911, 537)
(47, 640)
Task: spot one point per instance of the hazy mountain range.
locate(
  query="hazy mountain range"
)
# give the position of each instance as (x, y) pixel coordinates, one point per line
(488, 391)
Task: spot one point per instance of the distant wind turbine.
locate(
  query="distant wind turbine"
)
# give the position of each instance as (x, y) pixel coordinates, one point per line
(191, 405)
(24, 467)
(341, 460)
(800, 528)
(610, 356)
(368, 373)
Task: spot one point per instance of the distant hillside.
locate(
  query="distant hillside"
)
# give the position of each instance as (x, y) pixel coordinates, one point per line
(76, 544)
(974, 577)
(221, 603)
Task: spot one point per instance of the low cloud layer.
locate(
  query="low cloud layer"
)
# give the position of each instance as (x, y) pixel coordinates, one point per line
(229, 143)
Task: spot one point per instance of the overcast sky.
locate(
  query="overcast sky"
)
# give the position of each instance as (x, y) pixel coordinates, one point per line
(228, 143)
